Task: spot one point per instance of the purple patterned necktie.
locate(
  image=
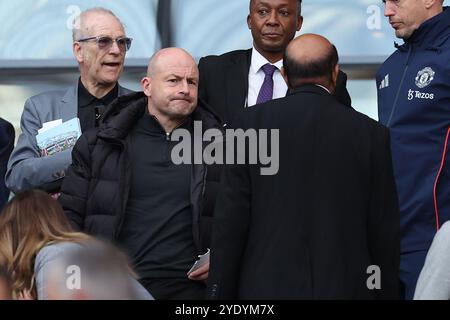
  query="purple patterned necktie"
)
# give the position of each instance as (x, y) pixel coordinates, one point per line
(266, 91)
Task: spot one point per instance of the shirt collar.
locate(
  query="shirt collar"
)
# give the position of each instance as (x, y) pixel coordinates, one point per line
(85, 98)
(258, 61)
(321, 86)
(150, 124)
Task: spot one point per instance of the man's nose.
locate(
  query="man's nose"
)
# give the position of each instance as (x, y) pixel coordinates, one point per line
(115, 49)
(388, 9)
(273, 18)
(184, 87)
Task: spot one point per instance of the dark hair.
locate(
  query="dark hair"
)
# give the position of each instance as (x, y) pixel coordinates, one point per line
(299, 6)
(300, 72)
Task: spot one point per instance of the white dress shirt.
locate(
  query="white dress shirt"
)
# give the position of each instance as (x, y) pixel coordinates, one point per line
(256, 78)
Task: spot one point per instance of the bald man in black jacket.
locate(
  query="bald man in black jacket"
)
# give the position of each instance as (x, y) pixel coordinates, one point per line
(326, 226)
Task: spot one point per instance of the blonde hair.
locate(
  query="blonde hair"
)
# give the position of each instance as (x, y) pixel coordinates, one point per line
(30, 221)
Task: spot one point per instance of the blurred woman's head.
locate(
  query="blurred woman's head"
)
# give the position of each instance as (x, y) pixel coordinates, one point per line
(30, 221)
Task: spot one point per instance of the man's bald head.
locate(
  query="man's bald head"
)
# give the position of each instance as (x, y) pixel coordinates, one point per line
(169, 55)
(171, 86)
(311, 59)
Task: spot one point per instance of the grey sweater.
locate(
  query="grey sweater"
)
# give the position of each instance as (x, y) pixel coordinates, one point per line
(434, 280)
(48, 257)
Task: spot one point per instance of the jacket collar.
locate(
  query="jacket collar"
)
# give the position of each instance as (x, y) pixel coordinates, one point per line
(258, 61)
(432, 33)
(310, 88)
(236, 81)
(70, 101)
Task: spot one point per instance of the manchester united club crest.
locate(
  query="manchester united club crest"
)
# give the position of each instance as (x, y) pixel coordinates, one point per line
(424, 77)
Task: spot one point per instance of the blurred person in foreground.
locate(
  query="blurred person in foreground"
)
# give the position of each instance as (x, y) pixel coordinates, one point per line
(97, 272)
(34, 235)
(434, 279)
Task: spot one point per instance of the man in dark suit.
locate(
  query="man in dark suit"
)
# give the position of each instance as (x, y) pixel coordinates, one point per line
(326, 226)
(239, 79)
(6, 146)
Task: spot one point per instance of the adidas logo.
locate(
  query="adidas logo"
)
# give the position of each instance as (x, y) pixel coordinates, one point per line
(385, 82)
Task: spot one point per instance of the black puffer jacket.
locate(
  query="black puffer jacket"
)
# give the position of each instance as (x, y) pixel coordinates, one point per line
(95, 191)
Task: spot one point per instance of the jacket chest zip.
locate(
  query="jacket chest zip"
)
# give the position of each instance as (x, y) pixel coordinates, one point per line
(397, 95)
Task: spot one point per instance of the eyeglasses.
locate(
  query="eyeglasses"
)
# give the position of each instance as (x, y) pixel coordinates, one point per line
(104, 42)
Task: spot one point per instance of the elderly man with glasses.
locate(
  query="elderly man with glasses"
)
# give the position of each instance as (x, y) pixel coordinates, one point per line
(99, 46)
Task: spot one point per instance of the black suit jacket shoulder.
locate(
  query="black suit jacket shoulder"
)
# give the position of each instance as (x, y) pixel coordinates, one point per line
(224, 83)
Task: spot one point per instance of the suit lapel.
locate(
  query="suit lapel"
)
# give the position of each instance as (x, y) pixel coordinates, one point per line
(237, 83)
(69, 104)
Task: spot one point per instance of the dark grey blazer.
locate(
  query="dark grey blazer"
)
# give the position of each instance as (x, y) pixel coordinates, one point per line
(26, 169)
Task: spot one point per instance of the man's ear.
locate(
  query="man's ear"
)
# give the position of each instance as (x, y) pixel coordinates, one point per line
(430, 3)
(249, 22)
(77, 52)
(336, 70)
(299, 23)
(335, 75)
(146, 84)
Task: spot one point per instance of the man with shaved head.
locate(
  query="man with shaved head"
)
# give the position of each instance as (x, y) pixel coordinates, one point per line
(123, 185)
(326, 225)
(99, 46)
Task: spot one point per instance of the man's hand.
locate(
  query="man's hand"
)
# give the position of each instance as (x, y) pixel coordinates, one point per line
(200, 274)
